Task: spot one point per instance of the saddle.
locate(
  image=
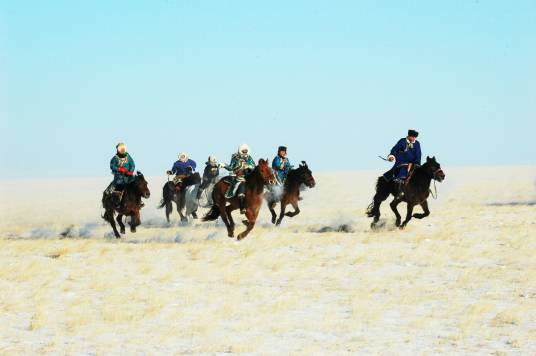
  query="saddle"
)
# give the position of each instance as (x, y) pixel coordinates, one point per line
(233, 186)
(183, 181)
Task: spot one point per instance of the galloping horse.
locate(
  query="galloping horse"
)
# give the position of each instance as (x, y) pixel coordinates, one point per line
(291, 192)
(416, 192)
(130, 205)
(184, 196)
(255, 182)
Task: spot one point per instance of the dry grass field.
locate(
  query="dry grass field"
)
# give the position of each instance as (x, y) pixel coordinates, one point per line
(462, 281)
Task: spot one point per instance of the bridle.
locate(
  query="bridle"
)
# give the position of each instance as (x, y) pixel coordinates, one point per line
(434, 176)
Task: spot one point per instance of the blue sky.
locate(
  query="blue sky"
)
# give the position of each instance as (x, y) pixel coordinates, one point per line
(337, 81)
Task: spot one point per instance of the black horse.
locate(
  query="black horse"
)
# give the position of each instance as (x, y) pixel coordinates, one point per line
(130, 205)
(178, 194)
(290, 192)
(415, 192)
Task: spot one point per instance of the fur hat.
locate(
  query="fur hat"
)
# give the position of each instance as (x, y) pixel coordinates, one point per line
(413, 133)
(282, 148)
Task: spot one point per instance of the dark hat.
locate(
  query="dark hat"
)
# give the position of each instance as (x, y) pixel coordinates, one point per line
(413, 133)
(282, 148)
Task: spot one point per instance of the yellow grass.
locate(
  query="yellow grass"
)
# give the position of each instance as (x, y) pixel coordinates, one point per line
(462, 281)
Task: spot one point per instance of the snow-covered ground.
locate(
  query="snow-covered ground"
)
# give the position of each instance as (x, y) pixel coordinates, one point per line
(461, 281)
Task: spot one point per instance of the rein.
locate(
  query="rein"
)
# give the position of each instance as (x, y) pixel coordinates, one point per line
(435, 188)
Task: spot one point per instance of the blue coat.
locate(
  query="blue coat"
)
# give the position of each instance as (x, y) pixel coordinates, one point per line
(181, 168)
(281, 170)
(404, 153)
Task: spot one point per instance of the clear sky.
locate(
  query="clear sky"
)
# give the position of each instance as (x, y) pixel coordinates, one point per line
(337, 81)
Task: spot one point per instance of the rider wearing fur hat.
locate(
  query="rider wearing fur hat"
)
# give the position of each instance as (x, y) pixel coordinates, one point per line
(123, 167)
(241, 164)
(405, 154)
(281, 165)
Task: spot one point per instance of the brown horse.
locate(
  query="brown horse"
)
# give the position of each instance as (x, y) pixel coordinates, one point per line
(130, 205)
(255, 182)
(290, 193)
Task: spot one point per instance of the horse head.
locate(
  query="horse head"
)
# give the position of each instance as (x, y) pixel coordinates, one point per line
(266, 172)
(434, 168)
(142, 185)
(306, 176)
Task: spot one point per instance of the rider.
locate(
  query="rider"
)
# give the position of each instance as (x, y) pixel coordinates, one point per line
(241, 164)
(183, 168)
(211, 172)
(281, 165)
(406, 153)
(122, 166)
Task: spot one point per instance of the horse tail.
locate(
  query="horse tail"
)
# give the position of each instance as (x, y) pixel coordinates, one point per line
(382, 192)
(167, 196)
(213, 214)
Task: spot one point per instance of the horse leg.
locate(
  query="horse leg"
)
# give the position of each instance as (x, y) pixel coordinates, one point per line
(424, 206)
(225, 218)
(169, 209)
(408, 215)
(109, 216)
(381, 195)
(271, 206)
(251, 215)
(296, 211)
(119, 220)
(284, 204)
(393, 205)
(135, 220)
(180, 206)
(228, 211)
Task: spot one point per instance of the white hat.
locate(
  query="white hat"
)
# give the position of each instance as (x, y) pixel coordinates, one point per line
(121, 147)
(242, 148)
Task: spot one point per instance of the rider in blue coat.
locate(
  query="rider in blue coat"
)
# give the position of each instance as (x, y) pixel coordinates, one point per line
(184, 166)
(406, 152)
(281, 165)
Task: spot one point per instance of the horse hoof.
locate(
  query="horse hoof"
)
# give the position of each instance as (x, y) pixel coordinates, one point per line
(397, 223)
(241, 237)
(274, 220)
(123, 231)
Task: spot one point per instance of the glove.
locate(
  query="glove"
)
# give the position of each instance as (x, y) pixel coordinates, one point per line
(169, 173)
(122, 170)
(222, 165)
(391, 158)
(130, 173)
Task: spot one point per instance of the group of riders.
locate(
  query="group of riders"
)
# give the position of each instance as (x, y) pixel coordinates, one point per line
(241, 164)
(406, 154)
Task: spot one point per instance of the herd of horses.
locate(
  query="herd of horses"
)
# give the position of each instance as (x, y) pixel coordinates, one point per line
(261, 185)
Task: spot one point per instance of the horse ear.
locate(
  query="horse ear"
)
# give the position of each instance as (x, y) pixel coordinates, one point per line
(433, 158)
(427, 158)
(139, 173)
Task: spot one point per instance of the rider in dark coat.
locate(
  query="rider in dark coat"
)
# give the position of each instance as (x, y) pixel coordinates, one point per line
(210, 174)
(122, 167)
(406, 153)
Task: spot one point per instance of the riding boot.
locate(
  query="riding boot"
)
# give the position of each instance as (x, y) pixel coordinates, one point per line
(242, 204)
(199, 192)
(399, 188)
(116, 198)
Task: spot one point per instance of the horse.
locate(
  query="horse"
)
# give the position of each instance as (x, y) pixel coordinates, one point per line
(255, 182)
(289, 193)
(130, 205)
(416, 192)
(183, 197)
